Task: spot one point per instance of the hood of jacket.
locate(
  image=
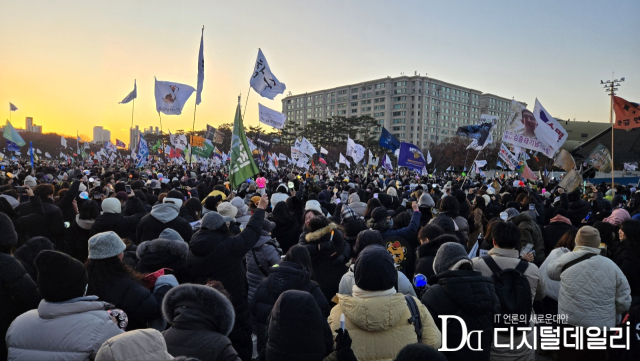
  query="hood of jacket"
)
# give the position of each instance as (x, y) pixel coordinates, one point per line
(522, 217)
(49, 310)
(374, 314)
(264, 238)
(84, 223)
(190, 306)
(165, 212)
(426, 200)
(316, 236)
(179, 249)
(286, 276)
(146, 344)
(469, 289)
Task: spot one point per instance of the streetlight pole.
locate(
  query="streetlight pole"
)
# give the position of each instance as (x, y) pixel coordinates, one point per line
(610, 88)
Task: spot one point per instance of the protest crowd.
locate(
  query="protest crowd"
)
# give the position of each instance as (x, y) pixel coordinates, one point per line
(164, 262)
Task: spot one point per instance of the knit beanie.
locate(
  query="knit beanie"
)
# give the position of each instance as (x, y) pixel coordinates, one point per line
(588, 236)
(171, 235)
(60, 277)
(366, 238)
(212, 221)
(419, 352)
(313, 204)
(228, 211)
(392, 192)
(375, 269)
(379, 214)
(111, 205)
(449, 257)
(30, 181)
(9, 236)
(105, 245)
(426, 200)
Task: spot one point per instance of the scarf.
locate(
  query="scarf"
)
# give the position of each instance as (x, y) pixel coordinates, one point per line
(358, 292)
(560, 218)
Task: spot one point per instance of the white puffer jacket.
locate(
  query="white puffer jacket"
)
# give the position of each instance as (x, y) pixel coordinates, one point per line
(593, 291)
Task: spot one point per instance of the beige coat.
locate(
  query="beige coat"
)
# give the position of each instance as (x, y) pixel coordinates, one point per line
(379, 326)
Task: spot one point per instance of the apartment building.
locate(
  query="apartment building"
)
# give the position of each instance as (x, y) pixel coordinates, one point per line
(416, 109)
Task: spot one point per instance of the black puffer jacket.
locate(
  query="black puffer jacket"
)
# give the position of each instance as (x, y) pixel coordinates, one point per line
(124, 226)
(327, 274)
(426, 254)
(201, 318)
(578, 210)
(284, 277)
(28, 252)
(52, 227)
(18, 294)
(161, 217)
(628, 259)
(163, 253)
(286, 234)
(469, 295)
(217, 256)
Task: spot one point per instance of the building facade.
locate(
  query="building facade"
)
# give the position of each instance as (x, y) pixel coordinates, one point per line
(134, 134)
(30, 126)
(415, 109)
(101, 135)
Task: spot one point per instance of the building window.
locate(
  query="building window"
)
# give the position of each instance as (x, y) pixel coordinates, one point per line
(378, 107)
(584, 135)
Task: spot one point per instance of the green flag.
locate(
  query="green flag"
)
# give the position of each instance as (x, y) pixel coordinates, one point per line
(12, 134)
(242, 165)
(205, 151)
(155, 147)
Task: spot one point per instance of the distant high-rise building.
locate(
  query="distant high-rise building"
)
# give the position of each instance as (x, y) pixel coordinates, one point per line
(101, 135)
(31, 127)
(29, 124)
(134, 133)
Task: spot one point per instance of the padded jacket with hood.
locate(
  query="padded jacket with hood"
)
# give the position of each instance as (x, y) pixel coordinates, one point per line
(164, 253)
(161, 217)
(470, 296)
(379, 326)
(72, 330)
(530, 232)
(124, 226)
(268, 254)
(593, 291)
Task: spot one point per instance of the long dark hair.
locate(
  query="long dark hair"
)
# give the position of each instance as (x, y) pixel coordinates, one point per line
(300, 255)
(568, 240)
(108, 271)
(631, 231)
(372, 204)
(193, 207)
(282, 215)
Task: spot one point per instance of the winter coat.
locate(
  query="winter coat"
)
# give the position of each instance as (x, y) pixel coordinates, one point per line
(31, 225)
(268, 252)
(627, 258)
(163, 253)
(72, 330)
(378, 325)
(578, 211)
(298, 331)
(358, 207)
(478, 229)
(530, 233)
(52, 227)
(552, 287)
(78, 242)
(593, 291)
(18, 294)
(552, 233)
(470, 296)
(326, 273)
(286, 234)
(123, 226)
(426, 254)
(147, 344)
(28, 252)
(216, 256)
(201, 319)
(128, 294)
(161, 217)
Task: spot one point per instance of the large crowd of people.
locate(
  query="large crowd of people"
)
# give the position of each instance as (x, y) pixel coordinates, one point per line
(171, 262)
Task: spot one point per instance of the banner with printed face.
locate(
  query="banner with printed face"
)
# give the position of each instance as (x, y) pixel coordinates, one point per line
(521, 130)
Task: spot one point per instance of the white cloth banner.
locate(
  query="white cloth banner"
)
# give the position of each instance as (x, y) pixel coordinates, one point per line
(354, 150)
(429, 159)
(263, 81)
(282, 157)
(171, 97)
(306, 147)
(63, 142)
(548, 129)
(295, 153)
(373, 160)
(271, 117)
(200, 69)
(323, 151)
(179, 141)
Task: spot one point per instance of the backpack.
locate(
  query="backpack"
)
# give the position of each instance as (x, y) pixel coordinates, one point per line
(415, 316)
(514, 292)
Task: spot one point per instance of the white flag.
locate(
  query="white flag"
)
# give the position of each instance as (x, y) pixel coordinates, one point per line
(337, 165)
(130, 97)
(262, 79)
(252, 146)
(373, 160)
(397, 152)
(344, 160)
(282, 157)
(481, 163)
(63, 141)
(179, 141)
(62, 155)
(424, 170)
(200, 69)
(429, 159)
(386, 163)
(306, 147)
(271, 117)
(171, 97)
(271, 166)
(323, 151)
(449, 169)
(548, 130)
(38, 151)
(354, 150)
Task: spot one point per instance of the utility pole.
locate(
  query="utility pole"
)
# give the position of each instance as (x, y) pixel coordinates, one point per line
(610, 88)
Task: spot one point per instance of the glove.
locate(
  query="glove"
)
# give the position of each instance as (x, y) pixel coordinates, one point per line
(341, 260)
(326, 245)
(343, 346)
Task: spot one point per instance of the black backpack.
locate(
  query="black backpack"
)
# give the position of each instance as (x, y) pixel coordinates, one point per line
(513, 289)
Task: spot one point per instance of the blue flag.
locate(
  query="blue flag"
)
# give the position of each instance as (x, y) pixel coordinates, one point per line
(143, 152)
(499, 165)
(387, 140)
(12, 147)
(31, 152)
(411, 156)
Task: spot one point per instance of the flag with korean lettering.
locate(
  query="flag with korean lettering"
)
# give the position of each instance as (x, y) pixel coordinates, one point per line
(263, 81)
(171, 97)
(143, 152)
(242, 165)
(411, 156)
(354, 150)
(600, 158)
(548, 129)
(627, 114)
(520, 130)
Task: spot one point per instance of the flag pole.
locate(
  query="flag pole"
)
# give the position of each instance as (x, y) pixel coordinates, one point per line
(245, 103)
(193, 131)
(132, 110)
(161, 135)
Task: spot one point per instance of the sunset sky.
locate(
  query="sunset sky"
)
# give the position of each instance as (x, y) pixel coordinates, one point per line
(67, 64)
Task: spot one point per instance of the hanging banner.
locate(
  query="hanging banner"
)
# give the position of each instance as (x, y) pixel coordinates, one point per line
(564, 160)
(507, 157)
(600, 158)
(271, 117)
(263, 141)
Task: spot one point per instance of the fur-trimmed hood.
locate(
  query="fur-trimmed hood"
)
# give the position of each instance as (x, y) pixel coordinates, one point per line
(316, 236)
(199, 303)
(176, 248)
